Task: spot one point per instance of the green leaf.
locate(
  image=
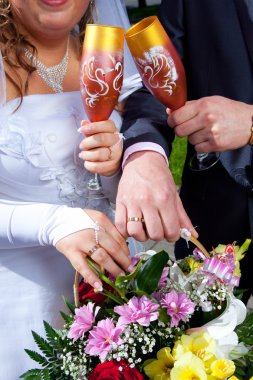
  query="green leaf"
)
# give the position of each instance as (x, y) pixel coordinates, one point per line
(69, 305)
(43, 345)
(245, 330)
(37, 357)
(54, 337)
(46, 375)
(32, 374)
(148, 277)
(67, 318)
(121, 281)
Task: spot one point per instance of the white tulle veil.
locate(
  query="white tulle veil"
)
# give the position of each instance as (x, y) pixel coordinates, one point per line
(2, 82)
(113, 12)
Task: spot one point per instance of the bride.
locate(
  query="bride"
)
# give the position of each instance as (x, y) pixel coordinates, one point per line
(47, 216)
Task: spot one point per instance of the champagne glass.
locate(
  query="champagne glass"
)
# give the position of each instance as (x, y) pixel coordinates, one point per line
(158, 62)
(162, 72)
(101, 74)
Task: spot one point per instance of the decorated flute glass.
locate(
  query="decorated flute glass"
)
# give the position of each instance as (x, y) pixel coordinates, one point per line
(101, 75)
(158, 62)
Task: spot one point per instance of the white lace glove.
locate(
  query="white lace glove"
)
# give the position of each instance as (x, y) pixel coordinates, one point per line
(30, 225)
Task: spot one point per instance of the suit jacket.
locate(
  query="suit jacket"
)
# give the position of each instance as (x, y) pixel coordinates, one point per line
(215, 41)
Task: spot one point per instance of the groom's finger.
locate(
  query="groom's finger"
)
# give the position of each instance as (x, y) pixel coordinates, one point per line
(121, 218)
(135, 223)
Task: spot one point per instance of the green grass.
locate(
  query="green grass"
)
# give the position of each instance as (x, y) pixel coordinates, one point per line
(177, 158)
(136, 14)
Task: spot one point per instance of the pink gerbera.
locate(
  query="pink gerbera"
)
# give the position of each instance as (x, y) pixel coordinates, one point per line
(178, 306)
(83, 320)
(141, 310)
(103, 338)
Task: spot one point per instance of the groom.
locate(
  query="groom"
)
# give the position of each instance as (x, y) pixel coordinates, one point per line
(215, 41)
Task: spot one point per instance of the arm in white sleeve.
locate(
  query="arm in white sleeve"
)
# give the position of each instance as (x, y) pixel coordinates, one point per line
(30, 225)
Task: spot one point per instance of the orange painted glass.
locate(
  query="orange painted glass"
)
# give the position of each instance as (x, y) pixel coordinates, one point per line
(158, 62)
(101, 74)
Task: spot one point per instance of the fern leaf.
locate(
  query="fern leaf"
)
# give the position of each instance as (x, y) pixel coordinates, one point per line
(37, 357)
(67, 318)
(43, 345)
(46, 375)
(32, 374)
(54, 337)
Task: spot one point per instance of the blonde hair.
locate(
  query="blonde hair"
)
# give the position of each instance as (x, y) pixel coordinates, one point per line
(13, 43)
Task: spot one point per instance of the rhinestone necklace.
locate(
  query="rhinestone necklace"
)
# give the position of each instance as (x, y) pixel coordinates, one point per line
(53, 76)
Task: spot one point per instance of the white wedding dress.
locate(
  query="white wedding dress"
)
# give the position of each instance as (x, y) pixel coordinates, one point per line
(39, 164)
(41, 179)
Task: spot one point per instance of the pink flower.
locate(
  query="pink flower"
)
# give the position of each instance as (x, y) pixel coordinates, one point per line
(103, 338)
(83, 320)
(141, 310)
(164, 278)
(178, 305)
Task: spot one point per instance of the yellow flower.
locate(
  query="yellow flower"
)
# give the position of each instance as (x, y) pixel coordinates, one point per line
(188, 367)
(237, 270)
(200, 344)
(236, 378)
(222, 368)
(159, 369)
(193, 264)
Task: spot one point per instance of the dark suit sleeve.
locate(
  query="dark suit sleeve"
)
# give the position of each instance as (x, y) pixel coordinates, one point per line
(171, 15)
(145, 120)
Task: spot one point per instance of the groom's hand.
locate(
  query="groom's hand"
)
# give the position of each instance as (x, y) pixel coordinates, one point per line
(147, 191)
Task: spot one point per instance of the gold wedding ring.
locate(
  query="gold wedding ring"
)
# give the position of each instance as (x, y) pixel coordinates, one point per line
(135, 219)
(93, 249)
(110, 153)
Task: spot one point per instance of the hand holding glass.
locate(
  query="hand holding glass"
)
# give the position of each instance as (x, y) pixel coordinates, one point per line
(162, 71)
(101, 73)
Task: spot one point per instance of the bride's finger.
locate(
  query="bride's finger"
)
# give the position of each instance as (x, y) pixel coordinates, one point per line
(97, 155)
(104, 259)
(99, 140)
(114, 250)
(97, 127)
(78, 260)
(107, 226)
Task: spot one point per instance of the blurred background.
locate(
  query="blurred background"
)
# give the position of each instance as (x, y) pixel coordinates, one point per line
(138, 9)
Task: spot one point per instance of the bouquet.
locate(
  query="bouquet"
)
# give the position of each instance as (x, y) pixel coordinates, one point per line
(165, 320)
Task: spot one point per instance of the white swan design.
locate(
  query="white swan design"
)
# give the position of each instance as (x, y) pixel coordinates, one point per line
(95, 85)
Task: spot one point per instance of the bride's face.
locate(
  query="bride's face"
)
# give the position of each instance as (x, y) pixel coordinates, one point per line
(48, 18)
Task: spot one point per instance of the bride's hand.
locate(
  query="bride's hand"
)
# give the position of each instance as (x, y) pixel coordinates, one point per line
(101, 149)
(110, 252)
